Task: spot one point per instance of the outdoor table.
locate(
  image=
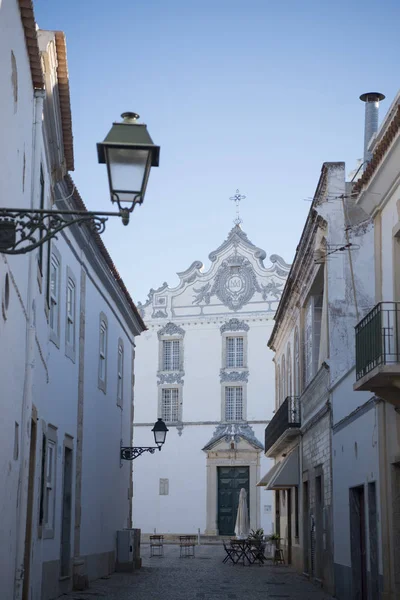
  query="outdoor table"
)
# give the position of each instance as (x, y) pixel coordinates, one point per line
(243, 549)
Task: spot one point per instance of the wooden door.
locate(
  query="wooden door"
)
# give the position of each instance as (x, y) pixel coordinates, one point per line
(230, 481)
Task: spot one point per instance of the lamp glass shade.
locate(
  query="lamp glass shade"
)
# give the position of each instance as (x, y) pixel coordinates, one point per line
(160, 432)
(129, 170)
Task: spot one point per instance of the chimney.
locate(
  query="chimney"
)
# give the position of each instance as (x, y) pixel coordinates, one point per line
(371, 100)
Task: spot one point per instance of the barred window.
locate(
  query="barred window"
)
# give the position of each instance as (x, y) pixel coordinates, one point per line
(54, 293)
(234, 352)
(233, 403)
(171, 355)
(120, 373)
(170, 405)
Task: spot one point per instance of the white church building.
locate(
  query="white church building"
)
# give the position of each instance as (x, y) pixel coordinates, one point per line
(203, 366)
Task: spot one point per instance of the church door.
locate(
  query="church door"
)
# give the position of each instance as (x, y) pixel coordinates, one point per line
(230, 481)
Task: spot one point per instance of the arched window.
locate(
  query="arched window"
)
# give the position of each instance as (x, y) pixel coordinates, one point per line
(289, 371)
(283, 376)
(296, 363)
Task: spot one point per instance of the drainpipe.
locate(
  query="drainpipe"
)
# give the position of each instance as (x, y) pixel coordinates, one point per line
(26, 416)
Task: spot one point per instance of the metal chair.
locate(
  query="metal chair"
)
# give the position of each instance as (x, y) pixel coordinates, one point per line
(186, 545)
(231, 552)
(156, 545)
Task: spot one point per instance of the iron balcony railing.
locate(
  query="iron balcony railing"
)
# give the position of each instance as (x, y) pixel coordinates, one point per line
(377, 338)
(287, 416)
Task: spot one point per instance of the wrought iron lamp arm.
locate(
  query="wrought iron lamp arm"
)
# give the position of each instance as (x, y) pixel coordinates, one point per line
(130, 453)
(23, 230)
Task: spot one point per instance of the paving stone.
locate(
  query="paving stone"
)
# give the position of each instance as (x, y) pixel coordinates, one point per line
(204, 577)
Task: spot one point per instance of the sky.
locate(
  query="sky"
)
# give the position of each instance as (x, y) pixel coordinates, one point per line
(239, 94)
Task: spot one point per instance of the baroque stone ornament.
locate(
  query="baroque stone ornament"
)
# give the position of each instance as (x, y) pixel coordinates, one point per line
(170, 329)
(237, 236)
(234, 432)
(160, 314)
(234, 325)
(167, 378)
(234, 285)
(233, 376)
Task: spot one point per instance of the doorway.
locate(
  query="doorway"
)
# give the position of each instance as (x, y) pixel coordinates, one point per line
(65, 561)
(357, 543)
(29, 514)
(289, 526)
(318, 527)
(306, 527)
(230, 481)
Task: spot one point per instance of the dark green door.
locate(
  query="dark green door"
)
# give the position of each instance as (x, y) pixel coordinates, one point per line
(230, 481)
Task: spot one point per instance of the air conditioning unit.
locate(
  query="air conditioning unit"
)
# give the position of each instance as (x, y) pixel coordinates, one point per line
(128, 550)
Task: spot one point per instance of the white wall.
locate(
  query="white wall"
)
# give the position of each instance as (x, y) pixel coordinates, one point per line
(355, 462)
(182, 459)
(16, 121)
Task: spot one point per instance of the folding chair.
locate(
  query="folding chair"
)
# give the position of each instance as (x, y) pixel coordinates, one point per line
(230, 553)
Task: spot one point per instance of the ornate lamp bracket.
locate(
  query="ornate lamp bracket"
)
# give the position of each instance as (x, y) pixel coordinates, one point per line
(130, 453)
(23, 230)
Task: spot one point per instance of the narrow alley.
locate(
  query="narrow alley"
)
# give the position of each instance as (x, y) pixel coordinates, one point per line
(204, 577)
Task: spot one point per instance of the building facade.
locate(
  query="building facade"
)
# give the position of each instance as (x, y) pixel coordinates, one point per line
(203, 367)
(377, 370)
(67, 339)
(321, 425)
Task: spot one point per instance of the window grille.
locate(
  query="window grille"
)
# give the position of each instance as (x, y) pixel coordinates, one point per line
(170, 405)
(54, 292)
(233, 403)
(234, 352)
(70, 333)
(171, 355)
(103, 350)
(120, 374)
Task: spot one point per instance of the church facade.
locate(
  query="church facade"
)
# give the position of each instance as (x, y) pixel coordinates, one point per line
(203, 366)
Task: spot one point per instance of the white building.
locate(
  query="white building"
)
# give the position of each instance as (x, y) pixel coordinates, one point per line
(67, 328)
(375, 441)
(203, 366)
(327, 289)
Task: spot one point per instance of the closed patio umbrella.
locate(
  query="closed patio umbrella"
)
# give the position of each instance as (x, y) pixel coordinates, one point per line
(242, 527)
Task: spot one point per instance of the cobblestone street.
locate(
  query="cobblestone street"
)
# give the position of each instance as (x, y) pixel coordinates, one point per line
(204, 577)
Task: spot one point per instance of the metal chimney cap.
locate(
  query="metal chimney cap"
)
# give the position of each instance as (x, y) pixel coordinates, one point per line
(372, 97)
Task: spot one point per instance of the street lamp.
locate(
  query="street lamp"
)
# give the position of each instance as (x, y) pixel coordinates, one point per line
(129, 153)
(160, 433)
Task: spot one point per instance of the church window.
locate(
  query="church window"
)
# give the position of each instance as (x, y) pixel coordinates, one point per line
(234, 352)
(171, 355)
(164, 487)
(233, 403)
(170, 405)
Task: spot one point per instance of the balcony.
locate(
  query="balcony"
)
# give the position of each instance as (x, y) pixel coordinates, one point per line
(378, 352)
(283, 428)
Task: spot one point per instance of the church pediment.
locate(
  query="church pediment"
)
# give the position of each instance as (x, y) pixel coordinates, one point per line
(227, 433)
(236, 281)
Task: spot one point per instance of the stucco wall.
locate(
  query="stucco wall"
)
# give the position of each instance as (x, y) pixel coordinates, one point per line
(355, 463)
(182, 460)
(16, 121)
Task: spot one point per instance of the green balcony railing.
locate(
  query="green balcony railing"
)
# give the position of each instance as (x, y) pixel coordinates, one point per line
(377, 338)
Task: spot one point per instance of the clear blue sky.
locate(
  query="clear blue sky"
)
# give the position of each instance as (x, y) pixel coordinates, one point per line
(248, 94)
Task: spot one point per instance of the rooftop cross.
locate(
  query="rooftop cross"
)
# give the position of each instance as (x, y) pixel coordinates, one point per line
(237, 199)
